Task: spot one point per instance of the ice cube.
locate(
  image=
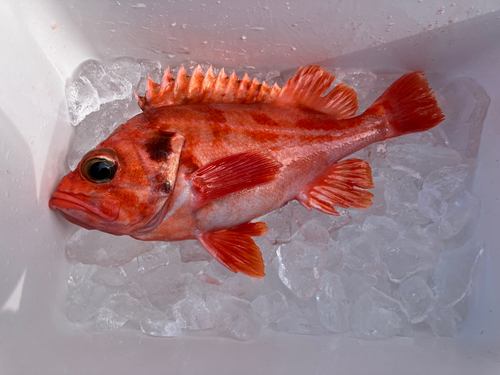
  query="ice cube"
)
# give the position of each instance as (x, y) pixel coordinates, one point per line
(267, 249)
(405, 257)
(387, 176)
(109, 86)
(452, 277)
(329, 222)
(148, 261)
(401, 196)
(107, 320)
(383, 230)
(431, 205)
(279, 225)
(359, 252)
(459, 214)
(125, 305)
(334, 257)
(402, 202)
(192, 251)
(192, 313)
(273, 77)
(465, 107)
(356, 283)
(362, 82)
(82, 99)
(164, 285)
(233, 316)
(216, 277)
(360, 244)
(422, 237)
(443, 321)
(302, 261)
(94, 247)
(215, 273)
(84, 296)
(241, 286)
(417, 298)
(439, 186)
(133, 70)
(376, 315)
(333, 306)
(159, 326)
(420, 160)
(447, 181)
(270, 307)
(302, 319)
(421, 138)
(110, 276)
(96, 128)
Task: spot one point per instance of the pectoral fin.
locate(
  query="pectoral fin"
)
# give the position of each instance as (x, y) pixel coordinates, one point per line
(235, 249)
(340, 186)
(231, 174)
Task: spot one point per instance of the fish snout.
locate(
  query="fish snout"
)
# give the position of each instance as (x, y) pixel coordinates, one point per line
(106, 208)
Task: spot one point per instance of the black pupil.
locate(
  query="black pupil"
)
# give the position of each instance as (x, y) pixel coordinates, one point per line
(100, 170)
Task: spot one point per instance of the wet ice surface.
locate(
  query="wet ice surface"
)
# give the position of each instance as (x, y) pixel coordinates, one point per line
(407, 260)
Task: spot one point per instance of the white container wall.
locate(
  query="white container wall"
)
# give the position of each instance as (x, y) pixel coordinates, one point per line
(42, 42)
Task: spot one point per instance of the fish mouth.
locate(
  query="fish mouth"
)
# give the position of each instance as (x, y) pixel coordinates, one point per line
(107, 209)
(155, 220)
(75, 221)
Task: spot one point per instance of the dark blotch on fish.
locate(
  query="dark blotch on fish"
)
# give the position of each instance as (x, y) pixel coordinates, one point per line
(263, 119)
(159, 146)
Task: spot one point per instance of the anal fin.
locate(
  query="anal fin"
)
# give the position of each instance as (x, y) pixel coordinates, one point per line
(235, 249)
(340, 186)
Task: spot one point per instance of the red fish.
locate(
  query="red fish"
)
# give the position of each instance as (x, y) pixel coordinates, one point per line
(210, 154)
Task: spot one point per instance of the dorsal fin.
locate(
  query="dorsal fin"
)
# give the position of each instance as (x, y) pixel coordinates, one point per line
(305, 89)
(309, 85)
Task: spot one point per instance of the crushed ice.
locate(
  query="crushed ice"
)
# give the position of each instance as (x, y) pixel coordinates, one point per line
(376, 273)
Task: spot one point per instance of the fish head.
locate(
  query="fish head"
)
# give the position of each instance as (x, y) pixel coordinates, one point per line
(124, 185)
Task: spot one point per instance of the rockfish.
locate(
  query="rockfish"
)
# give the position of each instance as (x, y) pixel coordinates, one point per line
(209, 154)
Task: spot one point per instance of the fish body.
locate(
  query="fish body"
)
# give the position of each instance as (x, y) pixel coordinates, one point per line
(208, 155)
(305, 144)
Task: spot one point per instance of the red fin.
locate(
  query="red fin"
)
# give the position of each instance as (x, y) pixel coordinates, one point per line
(235, 249)
(231, 174)
(307, 89)
(207, 88)
(410, 105)
(338, 187)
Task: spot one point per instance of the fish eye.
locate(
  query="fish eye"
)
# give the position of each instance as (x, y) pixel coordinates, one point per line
(99, 169)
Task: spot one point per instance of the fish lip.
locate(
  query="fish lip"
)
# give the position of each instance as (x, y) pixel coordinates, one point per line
(75, 221)
(155, 221)
(62, 201)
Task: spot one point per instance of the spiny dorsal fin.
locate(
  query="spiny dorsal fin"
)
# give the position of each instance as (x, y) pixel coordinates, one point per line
(305, 89)
(309, 85)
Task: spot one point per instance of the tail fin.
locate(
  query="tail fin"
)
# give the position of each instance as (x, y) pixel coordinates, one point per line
(410, 105)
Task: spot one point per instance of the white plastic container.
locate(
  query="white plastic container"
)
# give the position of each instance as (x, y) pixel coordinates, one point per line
(42, 42)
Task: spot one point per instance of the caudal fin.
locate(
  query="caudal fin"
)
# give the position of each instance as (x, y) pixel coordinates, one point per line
(410, 105)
